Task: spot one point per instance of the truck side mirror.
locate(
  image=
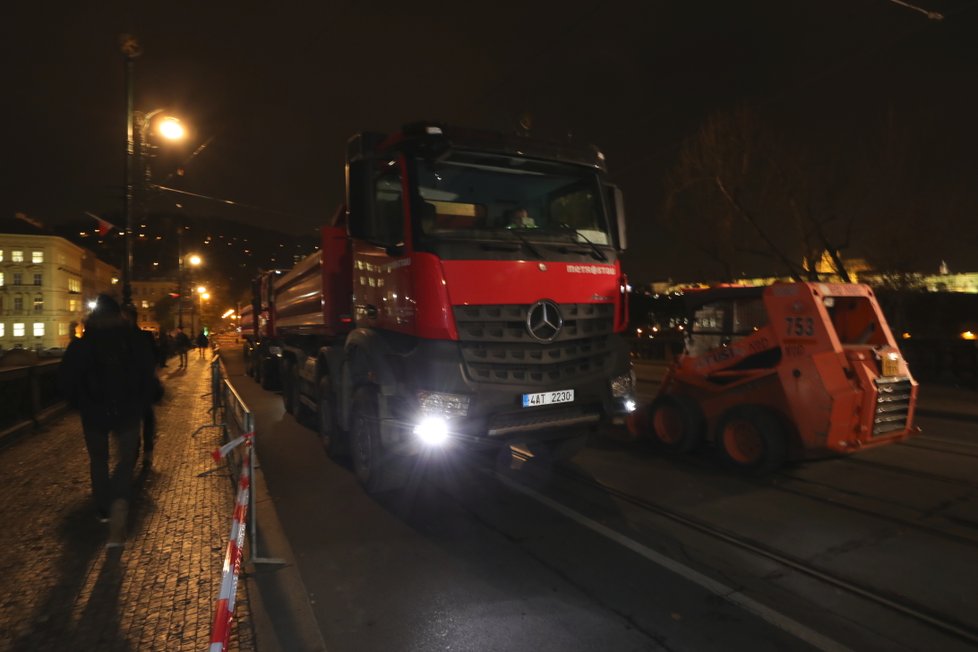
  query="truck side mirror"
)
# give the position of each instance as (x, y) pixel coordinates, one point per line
(616, 202)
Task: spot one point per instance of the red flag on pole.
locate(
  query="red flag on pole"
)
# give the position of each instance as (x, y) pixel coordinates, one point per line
(104, 226)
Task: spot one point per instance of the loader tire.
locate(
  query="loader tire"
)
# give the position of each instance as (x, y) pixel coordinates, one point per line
(751, 440)
(676, 423)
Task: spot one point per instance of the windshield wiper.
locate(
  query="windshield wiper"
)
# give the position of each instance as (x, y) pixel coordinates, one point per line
(574, 233)
(516, 234)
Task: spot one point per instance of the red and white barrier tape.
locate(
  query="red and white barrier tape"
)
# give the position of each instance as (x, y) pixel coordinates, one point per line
(224, 609)
(222, 452)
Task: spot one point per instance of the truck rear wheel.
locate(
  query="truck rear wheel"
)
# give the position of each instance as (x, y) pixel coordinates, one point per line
(329, 434)
(376, 469)
(751, 440)
(267, 376)
(288, 386)
(676, 423)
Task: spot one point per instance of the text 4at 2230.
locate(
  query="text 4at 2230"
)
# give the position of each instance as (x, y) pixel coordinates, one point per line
(548, 398)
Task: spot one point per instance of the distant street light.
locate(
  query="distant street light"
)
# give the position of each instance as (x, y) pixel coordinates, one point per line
(193, 260)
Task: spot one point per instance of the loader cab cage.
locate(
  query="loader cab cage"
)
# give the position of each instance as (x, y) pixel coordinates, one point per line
(855, 321)
(722, 317)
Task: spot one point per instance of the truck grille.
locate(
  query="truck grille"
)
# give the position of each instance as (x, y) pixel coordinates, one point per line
(496, 347)
(892, 405)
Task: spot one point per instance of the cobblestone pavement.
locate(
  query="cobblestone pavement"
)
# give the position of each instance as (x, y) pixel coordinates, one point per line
(63, 590)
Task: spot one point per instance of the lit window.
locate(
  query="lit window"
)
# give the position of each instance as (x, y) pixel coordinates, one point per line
(3, 328)
(16, 256)
(37, 279)
(74, 285)
(1, 279)
(38, 303)
(62, 328)
(37, 256)
(39, 329)
(1, 255)
(18, 330)
(145, 303)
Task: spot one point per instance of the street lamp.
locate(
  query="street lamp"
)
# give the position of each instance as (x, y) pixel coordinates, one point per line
(202, 296)
(137, 134)
(193, 260)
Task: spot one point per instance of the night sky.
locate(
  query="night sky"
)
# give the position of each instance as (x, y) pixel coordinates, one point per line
(276, 89)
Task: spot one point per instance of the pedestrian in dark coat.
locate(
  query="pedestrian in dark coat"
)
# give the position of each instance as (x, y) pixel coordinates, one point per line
(163, 348)
(149, 415)
(182, 344)
(201, 343)
(109, 375)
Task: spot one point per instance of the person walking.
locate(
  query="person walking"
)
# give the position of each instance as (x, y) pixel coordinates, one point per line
(149, 414)
(109, 376)
(201, 343)
(182, 344)
(163, 349)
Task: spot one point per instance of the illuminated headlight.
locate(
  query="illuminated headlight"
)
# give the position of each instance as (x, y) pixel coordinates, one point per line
(623, 386)
(630, 405)
(432, 430)
(275, 350)
(442, 404)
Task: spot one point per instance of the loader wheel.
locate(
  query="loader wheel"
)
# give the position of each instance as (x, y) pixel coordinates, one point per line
(751, 440)
(376, 469)
(329, 434)
(676, 423)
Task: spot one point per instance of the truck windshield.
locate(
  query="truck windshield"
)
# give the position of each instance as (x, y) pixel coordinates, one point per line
(470, 195)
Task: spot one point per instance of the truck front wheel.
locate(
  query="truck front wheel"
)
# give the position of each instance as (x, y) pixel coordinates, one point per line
(751, 440)
(376, 469)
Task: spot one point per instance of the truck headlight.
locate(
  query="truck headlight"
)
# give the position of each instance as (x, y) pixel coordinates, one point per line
(623, 385)
(443, 404)
(433, 430)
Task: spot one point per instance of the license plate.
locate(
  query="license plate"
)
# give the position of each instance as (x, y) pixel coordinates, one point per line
(548, 398)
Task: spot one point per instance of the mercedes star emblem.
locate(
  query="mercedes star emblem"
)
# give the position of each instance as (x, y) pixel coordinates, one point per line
(543, 321)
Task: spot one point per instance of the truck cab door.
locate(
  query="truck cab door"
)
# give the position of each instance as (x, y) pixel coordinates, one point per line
(381, 264)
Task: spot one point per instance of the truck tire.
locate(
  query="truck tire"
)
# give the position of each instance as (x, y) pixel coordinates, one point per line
(288, 392)
(376, 470)
(333, 440)
(299, 409)
(751, 440)
(676, 423)
(267, 378)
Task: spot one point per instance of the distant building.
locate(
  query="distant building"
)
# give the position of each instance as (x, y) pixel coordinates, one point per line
(46, 284)
(145, 296)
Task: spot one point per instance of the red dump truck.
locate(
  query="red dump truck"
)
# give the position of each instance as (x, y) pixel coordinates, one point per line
(468, 292)
(792, 371)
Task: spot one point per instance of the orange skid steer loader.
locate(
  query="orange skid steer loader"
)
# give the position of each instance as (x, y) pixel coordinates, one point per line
(792, 371)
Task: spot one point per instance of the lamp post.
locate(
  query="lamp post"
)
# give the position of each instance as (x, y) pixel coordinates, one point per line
(130, 50)
(202, 296)
(194, 261)
(137, 147)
